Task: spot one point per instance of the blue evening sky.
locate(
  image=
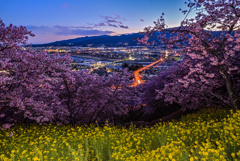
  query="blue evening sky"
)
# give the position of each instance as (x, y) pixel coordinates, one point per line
(52, 20)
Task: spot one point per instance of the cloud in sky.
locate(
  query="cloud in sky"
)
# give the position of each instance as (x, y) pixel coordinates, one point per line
(84, 32)
(115, 21)
(90, 29)
(124, 27)
(112, 25)
(101, 24)
(108, 26)
(40, 29)
(112, 21)
(68, 30)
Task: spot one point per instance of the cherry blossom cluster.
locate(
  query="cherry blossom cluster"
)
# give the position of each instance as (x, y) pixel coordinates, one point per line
(41, 88)
(210, 45)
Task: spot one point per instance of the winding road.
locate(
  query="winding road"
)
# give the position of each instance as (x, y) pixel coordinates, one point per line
(137, 77)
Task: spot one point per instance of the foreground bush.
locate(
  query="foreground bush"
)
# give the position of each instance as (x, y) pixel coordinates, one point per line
(196, 136)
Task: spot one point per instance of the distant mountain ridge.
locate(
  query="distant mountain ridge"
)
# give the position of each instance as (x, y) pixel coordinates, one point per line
(108, 41)
(98, 41)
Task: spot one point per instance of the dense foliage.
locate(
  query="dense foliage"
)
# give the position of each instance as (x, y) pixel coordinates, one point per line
(44, 89)
(209, 42)
(209, 134)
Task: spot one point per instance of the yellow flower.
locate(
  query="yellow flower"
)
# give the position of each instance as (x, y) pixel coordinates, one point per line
(36, 158)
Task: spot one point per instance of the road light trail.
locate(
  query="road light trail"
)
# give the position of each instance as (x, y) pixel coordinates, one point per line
(138, 80)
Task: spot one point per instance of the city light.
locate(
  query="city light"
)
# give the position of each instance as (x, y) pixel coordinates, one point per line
(137, 77)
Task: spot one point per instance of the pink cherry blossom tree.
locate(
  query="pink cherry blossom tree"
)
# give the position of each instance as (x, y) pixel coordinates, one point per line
(210, 43)
(91, 98)
(44, 89)
(27, 78)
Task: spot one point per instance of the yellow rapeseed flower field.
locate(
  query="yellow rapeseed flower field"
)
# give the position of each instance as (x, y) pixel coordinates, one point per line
(207, 135)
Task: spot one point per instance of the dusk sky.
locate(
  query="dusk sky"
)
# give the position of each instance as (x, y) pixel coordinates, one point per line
(52, 20)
